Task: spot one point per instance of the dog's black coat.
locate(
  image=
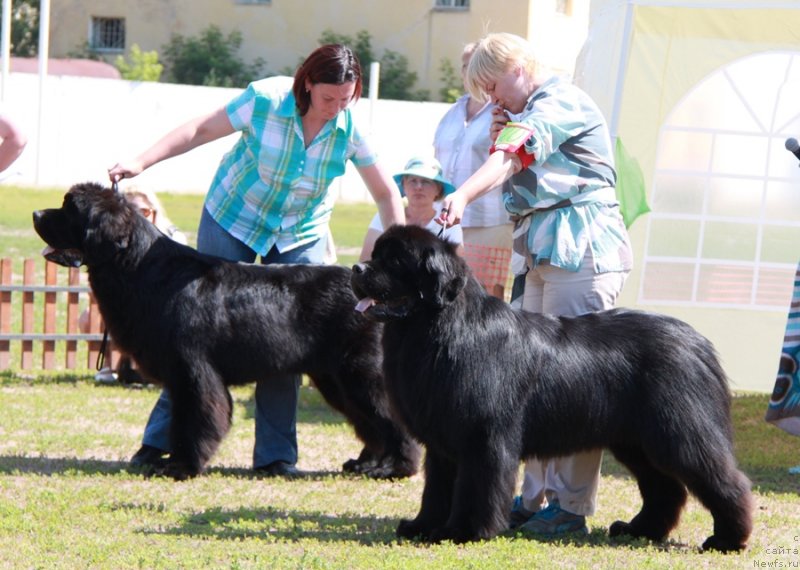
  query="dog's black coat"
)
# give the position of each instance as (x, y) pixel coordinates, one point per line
(197, 324)
(483, 386)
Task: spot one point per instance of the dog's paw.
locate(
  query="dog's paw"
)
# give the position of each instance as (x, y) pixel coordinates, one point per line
(390, 470)
(720, 544)
(412, 530)
(179, 470)
(359, 466)
(620, 528)
(454, 535)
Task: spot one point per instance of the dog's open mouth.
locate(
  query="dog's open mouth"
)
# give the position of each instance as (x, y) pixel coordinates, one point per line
(65, 257)
(384, 310)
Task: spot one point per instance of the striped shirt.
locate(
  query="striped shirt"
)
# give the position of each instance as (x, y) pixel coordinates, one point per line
(565, 201)
(269, 190)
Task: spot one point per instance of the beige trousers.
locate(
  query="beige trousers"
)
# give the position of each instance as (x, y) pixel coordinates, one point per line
(571, 480)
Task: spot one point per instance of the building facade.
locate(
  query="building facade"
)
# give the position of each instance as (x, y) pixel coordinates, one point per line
(283, 31)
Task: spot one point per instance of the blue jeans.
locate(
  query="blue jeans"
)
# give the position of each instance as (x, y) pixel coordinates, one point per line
(276, 398)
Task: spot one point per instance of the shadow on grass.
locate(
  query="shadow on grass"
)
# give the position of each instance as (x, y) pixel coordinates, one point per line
(47, 466)
(59, 465)
(276, 525)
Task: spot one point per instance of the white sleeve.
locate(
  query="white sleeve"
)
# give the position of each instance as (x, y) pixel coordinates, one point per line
(376, 224)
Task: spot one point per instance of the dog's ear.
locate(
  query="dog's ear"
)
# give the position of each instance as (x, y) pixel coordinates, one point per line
(108, 230)
(445, 275)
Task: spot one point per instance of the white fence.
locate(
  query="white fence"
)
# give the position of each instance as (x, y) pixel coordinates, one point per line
(88, 124)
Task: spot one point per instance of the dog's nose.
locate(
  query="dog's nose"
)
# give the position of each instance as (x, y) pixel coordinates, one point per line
(36, 215)
(359, 268)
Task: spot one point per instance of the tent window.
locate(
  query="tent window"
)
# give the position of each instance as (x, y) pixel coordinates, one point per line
(107, 34)
(725, 222)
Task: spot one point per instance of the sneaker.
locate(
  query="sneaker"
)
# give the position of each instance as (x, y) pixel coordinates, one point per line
(519, 514)
(105, 376)
(278, 469)
(553, 521)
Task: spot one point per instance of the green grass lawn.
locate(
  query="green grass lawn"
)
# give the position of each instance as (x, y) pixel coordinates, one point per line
(68, 501)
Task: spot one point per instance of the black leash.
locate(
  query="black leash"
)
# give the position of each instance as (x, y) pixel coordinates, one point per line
(101, 357)
(444, 225)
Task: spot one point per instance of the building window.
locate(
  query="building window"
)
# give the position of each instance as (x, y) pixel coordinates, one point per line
(107, 34)
(451, 4)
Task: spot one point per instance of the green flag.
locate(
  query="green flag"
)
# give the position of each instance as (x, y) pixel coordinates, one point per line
(631, 191)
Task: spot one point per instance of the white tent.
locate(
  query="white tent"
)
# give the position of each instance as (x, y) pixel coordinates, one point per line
(704, 95)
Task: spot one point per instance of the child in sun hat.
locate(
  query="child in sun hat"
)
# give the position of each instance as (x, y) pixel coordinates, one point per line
(422, 185)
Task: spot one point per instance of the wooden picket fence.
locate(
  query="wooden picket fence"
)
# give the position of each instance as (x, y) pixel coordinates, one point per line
(58, 300)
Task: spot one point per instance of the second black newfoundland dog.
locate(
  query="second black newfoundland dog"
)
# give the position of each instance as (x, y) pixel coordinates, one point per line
(483, 386)
(198, 324)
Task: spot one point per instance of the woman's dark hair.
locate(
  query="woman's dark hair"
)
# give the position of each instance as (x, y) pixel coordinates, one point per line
(332, 63)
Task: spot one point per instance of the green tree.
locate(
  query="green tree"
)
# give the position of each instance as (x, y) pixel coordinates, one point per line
(209, 59)
(25, 28)
(361, 45)
(143, 66)
(452, 86)
(397, 80)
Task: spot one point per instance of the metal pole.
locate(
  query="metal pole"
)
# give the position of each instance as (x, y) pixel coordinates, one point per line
(44, 49)
(374, 80)
(5, 48)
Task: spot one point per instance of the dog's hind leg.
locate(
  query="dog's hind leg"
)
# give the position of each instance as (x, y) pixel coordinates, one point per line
(663, 497)
(201, 417)
(388, 452)
(437, 498)
(725, 492)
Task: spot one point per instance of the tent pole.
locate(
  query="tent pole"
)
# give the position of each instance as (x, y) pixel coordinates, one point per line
(622, 69)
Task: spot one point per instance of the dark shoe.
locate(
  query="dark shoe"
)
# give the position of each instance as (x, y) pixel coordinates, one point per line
(148, 456)
(519, 514)
(278, 469)
(127, 374)
(554, 521)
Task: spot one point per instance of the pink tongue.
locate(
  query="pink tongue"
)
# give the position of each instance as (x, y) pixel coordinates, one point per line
(364, 304)
(47, 249)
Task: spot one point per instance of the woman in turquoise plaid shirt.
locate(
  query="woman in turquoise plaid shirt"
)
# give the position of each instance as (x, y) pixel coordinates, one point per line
(271, 198)
(554, 157)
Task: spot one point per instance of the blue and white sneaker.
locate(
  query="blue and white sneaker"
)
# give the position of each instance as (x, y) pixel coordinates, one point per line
(554, 521)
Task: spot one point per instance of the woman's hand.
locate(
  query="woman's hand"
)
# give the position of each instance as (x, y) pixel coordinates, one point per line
(120, 171)
(452, 210)
(499, 120)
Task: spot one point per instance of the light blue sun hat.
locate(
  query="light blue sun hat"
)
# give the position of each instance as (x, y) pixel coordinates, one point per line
(424, 167)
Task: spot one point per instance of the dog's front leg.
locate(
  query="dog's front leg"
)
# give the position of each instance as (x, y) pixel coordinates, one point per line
(484, 487)
(201, 417)
(436, 498)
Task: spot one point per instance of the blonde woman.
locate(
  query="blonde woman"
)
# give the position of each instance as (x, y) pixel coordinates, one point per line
(553, 145)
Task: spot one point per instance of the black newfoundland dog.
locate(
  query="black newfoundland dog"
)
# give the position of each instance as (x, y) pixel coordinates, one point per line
(483, 386)
(197, 324)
